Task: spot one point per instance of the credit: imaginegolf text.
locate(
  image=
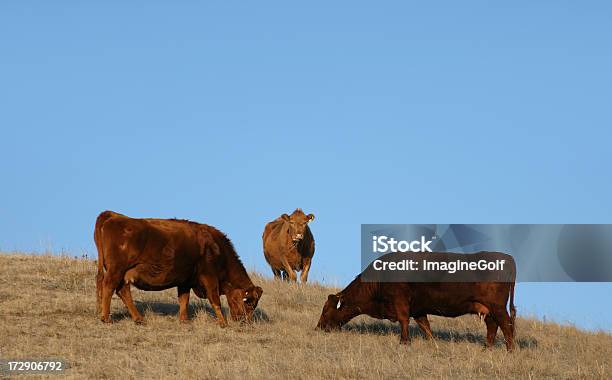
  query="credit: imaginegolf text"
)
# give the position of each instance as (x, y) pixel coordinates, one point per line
(444, 266)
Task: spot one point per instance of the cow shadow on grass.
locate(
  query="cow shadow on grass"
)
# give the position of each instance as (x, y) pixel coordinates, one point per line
(260, 316)
(172, 309)
(382, 328)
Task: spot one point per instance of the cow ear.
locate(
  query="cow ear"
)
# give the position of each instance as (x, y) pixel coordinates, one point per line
(285, 217)
(310, 217)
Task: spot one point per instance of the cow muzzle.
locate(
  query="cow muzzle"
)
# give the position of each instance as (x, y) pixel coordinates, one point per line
(298, 237)
(323, 326)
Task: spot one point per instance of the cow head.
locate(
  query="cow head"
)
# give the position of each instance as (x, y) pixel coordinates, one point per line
(298, 221)
(243, 302)
(335, 313)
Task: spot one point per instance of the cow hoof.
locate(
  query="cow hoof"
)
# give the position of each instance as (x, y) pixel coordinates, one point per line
(106, 320)
(139, 321)
(404, 342)
(223, 324)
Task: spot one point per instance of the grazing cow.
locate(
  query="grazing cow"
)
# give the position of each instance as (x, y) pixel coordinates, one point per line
(289, 246)
(398, 301)
(157, 254)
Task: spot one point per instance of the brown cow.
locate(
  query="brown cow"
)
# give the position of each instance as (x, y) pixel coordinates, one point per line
(398, 301)
(289, 246)
(157, 254)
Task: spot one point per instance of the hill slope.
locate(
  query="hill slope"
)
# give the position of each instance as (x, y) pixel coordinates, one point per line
(47, 308)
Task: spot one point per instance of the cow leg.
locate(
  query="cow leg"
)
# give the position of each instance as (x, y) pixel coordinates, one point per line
(99, 280)
(183, 298)
(403, 316)
(111, 281)
(491, 330)
(277, 274)
(289, 270)
(503, 320)
(125, 293)
(305, 268)
(423, 323)
(405, 334)
(212, 291)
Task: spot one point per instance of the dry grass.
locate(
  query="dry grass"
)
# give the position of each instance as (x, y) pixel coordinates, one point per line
(47, 310)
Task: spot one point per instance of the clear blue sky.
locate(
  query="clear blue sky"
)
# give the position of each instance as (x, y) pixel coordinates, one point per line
(231, 114)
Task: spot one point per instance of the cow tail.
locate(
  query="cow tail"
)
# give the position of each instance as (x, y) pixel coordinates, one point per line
(103, 217)
(512, 308)
(100, 260)
(100, 274)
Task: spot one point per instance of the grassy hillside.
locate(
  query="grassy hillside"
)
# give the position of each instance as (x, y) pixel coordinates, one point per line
(47, 310)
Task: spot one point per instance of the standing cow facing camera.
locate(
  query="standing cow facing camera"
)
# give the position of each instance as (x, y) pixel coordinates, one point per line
(289, 245)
